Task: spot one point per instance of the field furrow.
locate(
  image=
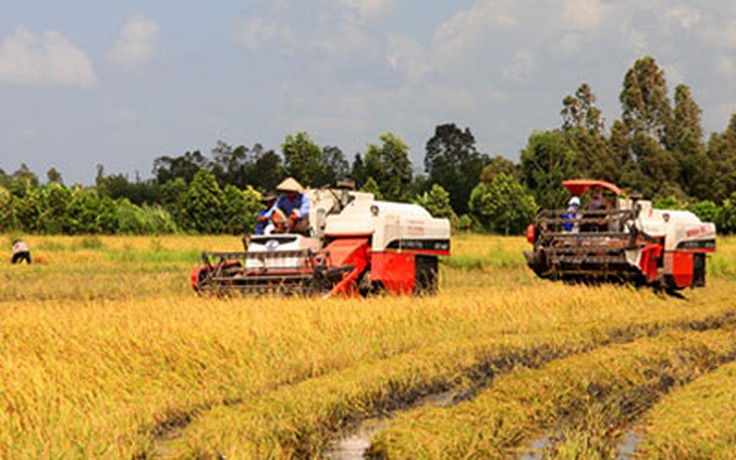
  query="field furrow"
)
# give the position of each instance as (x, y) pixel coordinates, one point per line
(319, 407)
(524, 402)
(695, 421)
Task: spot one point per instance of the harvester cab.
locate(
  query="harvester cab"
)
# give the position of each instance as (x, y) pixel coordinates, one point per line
(627, 239)
(356, 245)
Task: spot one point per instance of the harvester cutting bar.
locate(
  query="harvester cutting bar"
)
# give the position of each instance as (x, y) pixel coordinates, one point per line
(586, 235)
(271, 259)
(257, 273)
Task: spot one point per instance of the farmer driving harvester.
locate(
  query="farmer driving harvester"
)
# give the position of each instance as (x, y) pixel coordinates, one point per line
(290, 213)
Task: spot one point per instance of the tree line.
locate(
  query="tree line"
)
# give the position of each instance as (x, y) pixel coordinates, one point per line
(657, 148)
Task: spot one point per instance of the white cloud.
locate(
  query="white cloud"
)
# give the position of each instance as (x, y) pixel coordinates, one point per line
(567, 46)
(521, 66)
(45, 60)
(256, 33)
(136, 44)
(407, 56)
(368, 9)
(582, 14)
(28, 134)
(726, 66)
(122, 117)
(721, 35)
(682, 16)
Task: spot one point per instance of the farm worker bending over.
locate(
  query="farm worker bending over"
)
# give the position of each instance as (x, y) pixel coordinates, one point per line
(290, 213)
(268, 199)
(20, 252)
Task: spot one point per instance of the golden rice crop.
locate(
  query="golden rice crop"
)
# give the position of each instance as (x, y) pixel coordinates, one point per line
(525, 401)
(696, 421)
(105, 348)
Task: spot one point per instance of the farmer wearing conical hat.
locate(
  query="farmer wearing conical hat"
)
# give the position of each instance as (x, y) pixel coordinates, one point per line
(290, 213)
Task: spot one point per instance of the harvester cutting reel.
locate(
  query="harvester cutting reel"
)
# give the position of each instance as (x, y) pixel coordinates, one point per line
(299, 272)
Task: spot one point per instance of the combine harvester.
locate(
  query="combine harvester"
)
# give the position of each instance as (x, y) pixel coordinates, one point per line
(357, 246)
(629, 240)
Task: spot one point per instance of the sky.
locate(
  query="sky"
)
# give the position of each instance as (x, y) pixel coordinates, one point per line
(84, 82)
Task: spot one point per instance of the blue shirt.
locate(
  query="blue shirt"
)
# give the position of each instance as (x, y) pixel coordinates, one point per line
(300, 205)
(261, 225)
(570, 215)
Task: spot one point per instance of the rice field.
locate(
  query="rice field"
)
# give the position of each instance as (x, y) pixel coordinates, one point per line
(105, 352)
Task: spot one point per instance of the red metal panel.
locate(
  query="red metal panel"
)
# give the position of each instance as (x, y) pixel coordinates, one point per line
(650, 253)
(682, 268)
(348, 251)
(342, 250)
(580, 186)
(395, 270)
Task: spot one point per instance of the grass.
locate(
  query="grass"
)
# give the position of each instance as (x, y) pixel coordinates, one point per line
(105, 350)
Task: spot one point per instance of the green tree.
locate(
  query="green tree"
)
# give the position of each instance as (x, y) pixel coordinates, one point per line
(503, 206)
(453, 162)
(726, 216)
(687, 144)
(357, 170)
(52, 175)
(268, 169)
(202, 204)
(721, 171)
(582, 124)
(668, 202)
(371, 186)
(500, 164)
(28, 209)
(88, 213)
(240, 209)
(619, 144)
(7, 217)
(580, 112)
(545, 163)
(389, 165)
(437, 202)
(172, 197)
(646, 106)
(167, 168)
(231, 165)
(706, 210)
(659, 166)
(55, 199)
(303, 159)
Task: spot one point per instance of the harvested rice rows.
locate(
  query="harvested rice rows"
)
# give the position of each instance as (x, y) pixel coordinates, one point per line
(697, 421)
(106, 353)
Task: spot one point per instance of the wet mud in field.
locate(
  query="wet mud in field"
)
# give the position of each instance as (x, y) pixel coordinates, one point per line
(352, 438)
(609, 443)
(355, 440)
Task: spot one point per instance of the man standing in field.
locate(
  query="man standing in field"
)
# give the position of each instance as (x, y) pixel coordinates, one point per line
(20, 252)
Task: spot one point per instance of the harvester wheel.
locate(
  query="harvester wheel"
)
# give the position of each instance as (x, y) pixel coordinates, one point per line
(426, 276)
(368, 287)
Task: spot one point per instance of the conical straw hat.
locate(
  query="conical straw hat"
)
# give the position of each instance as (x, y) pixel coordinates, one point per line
(290, 185)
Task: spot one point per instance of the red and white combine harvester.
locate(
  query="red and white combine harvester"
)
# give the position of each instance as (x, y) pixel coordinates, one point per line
(626, 239)
(357, 246)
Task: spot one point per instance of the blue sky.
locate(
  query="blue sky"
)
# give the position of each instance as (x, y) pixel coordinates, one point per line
(120, 83)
